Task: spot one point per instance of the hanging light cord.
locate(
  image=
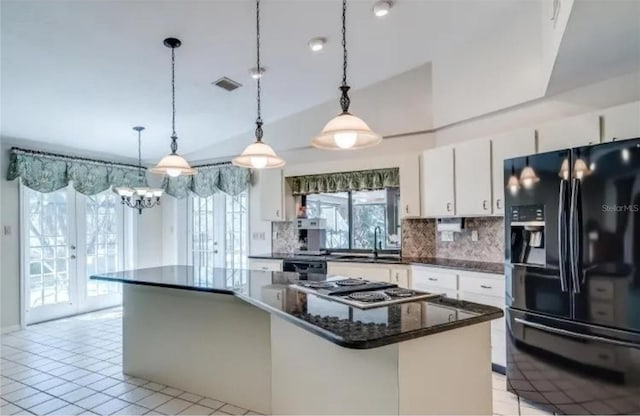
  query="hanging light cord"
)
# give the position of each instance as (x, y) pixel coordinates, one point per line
(140, 175)
(174, 136)
(345, 101)
(259, 131)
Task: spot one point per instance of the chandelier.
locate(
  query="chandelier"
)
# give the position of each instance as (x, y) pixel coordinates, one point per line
(139, 197)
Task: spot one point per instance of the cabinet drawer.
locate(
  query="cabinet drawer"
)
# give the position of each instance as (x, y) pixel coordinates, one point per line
(482, 284)
(452, 294)
(424, 276)
(267, 265)
(601, 289)
(602, 312)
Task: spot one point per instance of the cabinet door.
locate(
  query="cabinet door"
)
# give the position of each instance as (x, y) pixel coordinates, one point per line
(438, 192)
(621, 122)
(410, 187)
(400, 276)
(569, 132)
(506, 146)
(271, 195)
(473, 177)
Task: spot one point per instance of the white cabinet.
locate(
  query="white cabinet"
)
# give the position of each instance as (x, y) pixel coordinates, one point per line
(410, 187)
(265, 264)
(473, 178)
(506, 146)
(397, 274)
(621, 122)
(437, 182)
(276, 201)
(582, 130)
(434, 280)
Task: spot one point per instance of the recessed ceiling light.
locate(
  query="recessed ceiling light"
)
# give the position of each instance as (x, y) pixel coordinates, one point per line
(257, 72)
(317, 44)
(382, 7)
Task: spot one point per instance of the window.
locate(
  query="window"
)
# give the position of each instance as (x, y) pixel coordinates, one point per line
(219, 232)
(352, 218)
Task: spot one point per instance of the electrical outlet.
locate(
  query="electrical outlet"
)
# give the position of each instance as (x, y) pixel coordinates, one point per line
(446, 236)
(474, 235)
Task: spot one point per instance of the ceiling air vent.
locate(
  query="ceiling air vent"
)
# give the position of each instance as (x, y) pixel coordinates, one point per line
(227, 84)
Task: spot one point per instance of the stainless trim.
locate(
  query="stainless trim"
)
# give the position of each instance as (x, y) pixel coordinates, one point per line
(529, 223)
(573, 237)
(562, 237)
(572, 334)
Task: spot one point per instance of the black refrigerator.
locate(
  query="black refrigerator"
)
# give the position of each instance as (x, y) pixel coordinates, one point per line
(572, 268)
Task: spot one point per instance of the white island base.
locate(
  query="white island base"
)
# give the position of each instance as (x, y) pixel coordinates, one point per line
(220, 346)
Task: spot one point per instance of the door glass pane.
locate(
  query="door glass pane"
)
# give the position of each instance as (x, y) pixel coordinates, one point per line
(103, 253)
(334, 208)
(48, 279)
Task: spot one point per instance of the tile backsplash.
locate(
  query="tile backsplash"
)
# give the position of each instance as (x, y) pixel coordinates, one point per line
(420, 239)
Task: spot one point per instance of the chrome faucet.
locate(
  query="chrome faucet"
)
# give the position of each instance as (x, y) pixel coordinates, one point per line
(375, 241)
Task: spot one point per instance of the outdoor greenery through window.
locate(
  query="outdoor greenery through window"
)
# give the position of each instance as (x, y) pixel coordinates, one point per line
(353, 216)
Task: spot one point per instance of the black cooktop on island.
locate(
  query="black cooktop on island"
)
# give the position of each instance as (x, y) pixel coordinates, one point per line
(341, 323)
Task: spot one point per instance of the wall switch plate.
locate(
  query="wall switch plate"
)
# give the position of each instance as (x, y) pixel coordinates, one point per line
(446, 236)
(474, 235)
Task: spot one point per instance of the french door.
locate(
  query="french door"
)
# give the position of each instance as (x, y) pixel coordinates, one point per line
(67, 237)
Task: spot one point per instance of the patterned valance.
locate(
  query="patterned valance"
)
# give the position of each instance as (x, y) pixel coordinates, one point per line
(48, 172)
(345, 181)
(208, 180)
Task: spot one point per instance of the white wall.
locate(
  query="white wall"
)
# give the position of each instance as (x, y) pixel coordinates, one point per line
(149, 250)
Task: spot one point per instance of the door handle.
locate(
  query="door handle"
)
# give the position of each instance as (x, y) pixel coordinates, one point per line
(72, 247)
(577, 335)
(562, 238)
(574, 250)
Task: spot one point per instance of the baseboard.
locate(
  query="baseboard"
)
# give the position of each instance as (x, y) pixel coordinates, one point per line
(11, 328)
(497, 368)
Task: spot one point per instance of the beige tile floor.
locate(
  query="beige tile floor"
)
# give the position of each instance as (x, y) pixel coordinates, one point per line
(73, 366)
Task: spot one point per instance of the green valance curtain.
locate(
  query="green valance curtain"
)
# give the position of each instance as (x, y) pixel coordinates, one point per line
(231, 180)
(48, 172)
(345, 181)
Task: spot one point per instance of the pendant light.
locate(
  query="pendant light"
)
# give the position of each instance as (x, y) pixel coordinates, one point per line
(139, 197)
(258, 155)
(528, 176)
(173, 164)
(346, 131)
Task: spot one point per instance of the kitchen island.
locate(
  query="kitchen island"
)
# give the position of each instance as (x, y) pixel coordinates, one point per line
(251, 338)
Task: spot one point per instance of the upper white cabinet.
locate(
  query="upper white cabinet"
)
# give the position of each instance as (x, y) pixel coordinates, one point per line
(271, 185)
(473, 178)
(506, 146)
(410, 187)
(621, 122)
(582, 130)
(437, 179)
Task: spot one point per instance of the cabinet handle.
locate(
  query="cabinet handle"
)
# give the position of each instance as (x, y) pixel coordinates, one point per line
(264, 268)
(433, 279)
(485, 287)
(484, 204)
(406, 209)
(277, 213)
(498, 203)
(278, 295)
(448, 206)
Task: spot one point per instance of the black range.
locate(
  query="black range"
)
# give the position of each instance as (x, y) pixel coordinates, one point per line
(341, 324)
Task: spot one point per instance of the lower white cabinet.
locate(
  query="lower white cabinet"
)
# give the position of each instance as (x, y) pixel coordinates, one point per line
(265, 264)
(484, 288)
(378, 272)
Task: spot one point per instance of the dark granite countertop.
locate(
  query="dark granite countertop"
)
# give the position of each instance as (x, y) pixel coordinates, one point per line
(339, 323)
(468, 265)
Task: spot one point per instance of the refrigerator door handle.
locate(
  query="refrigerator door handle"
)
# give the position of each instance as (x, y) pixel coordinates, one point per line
(562, 237)
(574, 252)
(577, 335)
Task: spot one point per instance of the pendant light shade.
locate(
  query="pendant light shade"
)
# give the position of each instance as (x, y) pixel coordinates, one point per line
(173, 164)
(345, 131)
(528, 177)
(258, 155)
